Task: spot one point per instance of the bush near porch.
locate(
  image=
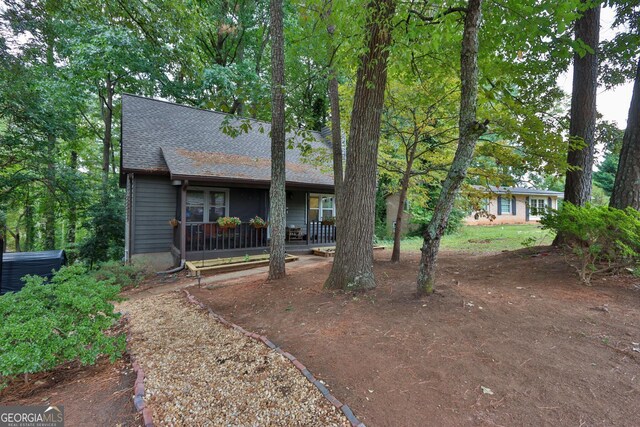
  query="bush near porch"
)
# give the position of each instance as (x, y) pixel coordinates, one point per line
(65, 320)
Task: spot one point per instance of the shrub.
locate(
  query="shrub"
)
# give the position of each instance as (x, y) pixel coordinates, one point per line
(422, 217)
(603, 239)
(105, 240)
(124, 275)
(47, 324)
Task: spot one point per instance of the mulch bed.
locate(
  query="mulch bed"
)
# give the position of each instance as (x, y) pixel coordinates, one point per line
(508, 339)
(200, 372)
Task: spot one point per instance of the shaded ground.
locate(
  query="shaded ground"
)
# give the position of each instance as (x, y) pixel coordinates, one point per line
(99, 395)
(549, 349)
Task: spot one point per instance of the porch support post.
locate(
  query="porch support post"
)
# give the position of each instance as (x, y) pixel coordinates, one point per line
(183, 222)
(306, 215)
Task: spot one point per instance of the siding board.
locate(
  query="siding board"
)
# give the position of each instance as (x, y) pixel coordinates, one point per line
(155, 204)
(296, 203)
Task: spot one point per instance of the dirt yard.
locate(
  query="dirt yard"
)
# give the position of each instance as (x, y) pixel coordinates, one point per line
(99, 395)
(509, 339)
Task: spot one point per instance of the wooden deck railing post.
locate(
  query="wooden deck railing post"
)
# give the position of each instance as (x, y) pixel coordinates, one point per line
(183, 221)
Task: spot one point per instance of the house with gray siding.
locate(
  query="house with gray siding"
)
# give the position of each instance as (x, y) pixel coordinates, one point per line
(184, 167)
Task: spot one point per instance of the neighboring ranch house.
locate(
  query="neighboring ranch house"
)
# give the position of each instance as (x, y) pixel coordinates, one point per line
(182, 172)
(514, 205)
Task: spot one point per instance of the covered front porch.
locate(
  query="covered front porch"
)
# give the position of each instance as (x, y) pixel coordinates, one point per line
(310, 214)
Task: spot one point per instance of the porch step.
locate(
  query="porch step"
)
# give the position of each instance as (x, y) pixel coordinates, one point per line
(223, 265)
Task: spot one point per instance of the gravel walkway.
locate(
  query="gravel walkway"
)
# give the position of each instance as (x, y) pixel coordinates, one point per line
(199, 372)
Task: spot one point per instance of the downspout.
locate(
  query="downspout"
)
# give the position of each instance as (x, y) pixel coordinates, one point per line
(183, 231)
(183, 222)
(174, 270)
(127, 227)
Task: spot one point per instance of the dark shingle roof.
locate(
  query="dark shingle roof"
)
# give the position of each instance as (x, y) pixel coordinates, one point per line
(518, 190)
(186, 142)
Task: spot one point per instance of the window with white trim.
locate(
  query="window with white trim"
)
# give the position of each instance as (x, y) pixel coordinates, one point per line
(321, 206)
(537, 207)
(207, 205)
(195, 206)
(505, 205)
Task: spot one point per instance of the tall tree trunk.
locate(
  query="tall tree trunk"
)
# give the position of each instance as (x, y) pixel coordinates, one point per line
(626, 189)
(16, 239)
(50, 208)
(336, 141)
(582, 128)
(72, 216)
(29, 226)
(469, 130)
(106, 104)
(336, 130)
(404, 186)
(353, 264)
(577, 187)
(237, 107)
(266, 36)
(277, 192)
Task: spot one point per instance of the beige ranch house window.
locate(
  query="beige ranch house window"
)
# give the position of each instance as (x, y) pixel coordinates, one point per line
(537, 207)
(505, 205)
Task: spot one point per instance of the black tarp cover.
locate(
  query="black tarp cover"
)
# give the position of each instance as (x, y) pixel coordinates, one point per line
(15, 265)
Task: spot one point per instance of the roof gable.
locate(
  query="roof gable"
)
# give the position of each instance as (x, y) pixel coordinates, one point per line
(162, 137)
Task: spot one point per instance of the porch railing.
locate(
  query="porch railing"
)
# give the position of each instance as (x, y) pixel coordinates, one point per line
(210, 236)
(319, 233)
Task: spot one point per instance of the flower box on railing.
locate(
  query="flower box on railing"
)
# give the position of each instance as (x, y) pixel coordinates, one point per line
(328, 221)
(228, 222)
(257, 222)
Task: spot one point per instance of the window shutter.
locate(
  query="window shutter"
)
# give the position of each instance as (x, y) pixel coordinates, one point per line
(526, 208)
(499, 205)
(513, 205)
(550, 203)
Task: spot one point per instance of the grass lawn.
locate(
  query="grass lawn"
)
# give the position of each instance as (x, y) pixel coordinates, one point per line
(485, 238)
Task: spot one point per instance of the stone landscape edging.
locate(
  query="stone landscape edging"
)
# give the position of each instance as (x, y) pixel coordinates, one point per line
(346, 410)
(138, 386)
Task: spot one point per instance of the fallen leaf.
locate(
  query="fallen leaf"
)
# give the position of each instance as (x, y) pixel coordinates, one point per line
(486, 390)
